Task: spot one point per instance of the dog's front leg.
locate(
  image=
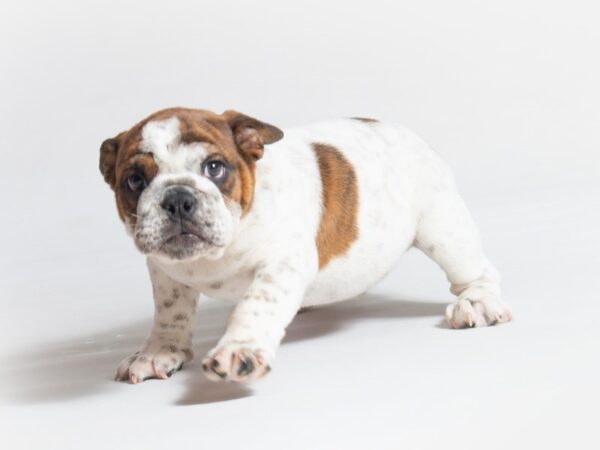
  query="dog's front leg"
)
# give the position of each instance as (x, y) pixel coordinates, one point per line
(257, 324)
(170, 340)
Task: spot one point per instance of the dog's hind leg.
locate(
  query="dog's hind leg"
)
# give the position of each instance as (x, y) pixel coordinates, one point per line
(447, 234)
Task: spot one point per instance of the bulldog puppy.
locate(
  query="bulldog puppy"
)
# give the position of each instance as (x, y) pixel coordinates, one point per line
(225, 205)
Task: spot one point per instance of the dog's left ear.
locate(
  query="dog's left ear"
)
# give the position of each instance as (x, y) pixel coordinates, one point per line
(251, 135)
(108, 159)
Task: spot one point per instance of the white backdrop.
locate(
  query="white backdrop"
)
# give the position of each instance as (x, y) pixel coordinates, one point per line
(508, 92)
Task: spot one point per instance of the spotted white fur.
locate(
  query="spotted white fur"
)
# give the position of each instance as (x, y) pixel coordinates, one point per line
(268, 262)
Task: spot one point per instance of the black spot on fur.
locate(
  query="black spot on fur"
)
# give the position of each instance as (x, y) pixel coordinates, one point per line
(246, 367)
(180, 316)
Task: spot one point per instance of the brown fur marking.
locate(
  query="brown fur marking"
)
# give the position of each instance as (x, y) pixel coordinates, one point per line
(338, 228)
(365, 119)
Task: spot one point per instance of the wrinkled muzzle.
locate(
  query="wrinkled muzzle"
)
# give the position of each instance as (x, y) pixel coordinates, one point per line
(177, 221)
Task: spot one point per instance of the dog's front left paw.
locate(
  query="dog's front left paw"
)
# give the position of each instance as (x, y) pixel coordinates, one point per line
(155, 361)
(477, 308)
(235, 362)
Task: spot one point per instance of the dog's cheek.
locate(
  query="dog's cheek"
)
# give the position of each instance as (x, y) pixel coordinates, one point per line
(231, 213)
(122, 206)
(147, 201)
(127, 206)
(219, 217)
(150, 221)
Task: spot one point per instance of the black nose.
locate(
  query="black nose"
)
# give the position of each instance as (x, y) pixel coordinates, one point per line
(179, 203)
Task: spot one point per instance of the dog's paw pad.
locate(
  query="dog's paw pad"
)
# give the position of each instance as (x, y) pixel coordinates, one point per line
(477, 311)
(230, 363)
(159, 363)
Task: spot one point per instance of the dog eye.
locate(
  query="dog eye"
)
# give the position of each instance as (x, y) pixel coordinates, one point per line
(136, 182)
(215, 170)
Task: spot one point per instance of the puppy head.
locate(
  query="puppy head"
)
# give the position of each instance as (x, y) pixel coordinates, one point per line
(183, 178)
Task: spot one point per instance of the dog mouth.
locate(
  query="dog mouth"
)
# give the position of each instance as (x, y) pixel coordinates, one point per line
(185, 241)
(180, 240)
(184, 245)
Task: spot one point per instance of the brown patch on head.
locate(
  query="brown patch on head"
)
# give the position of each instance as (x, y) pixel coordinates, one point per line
(234, 138)
(338, 228)
(119, 159)
(143, 164)
(365, 119)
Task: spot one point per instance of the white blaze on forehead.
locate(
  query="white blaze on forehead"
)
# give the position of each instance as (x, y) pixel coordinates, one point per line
(159, 137)
(162, 138)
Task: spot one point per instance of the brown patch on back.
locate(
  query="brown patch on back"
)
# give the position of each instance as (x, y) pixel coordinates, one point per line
(365, 119)
(338, 228)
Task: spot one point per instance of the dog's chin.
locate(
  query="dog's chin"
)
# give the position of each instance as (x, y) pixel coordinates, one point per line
(184, 247)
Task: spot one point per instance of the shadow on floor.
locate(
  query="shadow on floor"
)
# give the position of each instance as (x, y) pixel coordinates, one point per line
(84, 367)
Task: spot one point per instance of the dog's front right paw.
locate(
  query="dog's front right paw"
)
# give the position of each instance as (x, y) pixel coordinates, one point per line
(155, 361)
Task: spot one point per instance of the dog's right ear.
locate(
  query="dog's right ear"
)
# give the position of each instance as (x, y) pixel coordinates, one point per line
(108, 158)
